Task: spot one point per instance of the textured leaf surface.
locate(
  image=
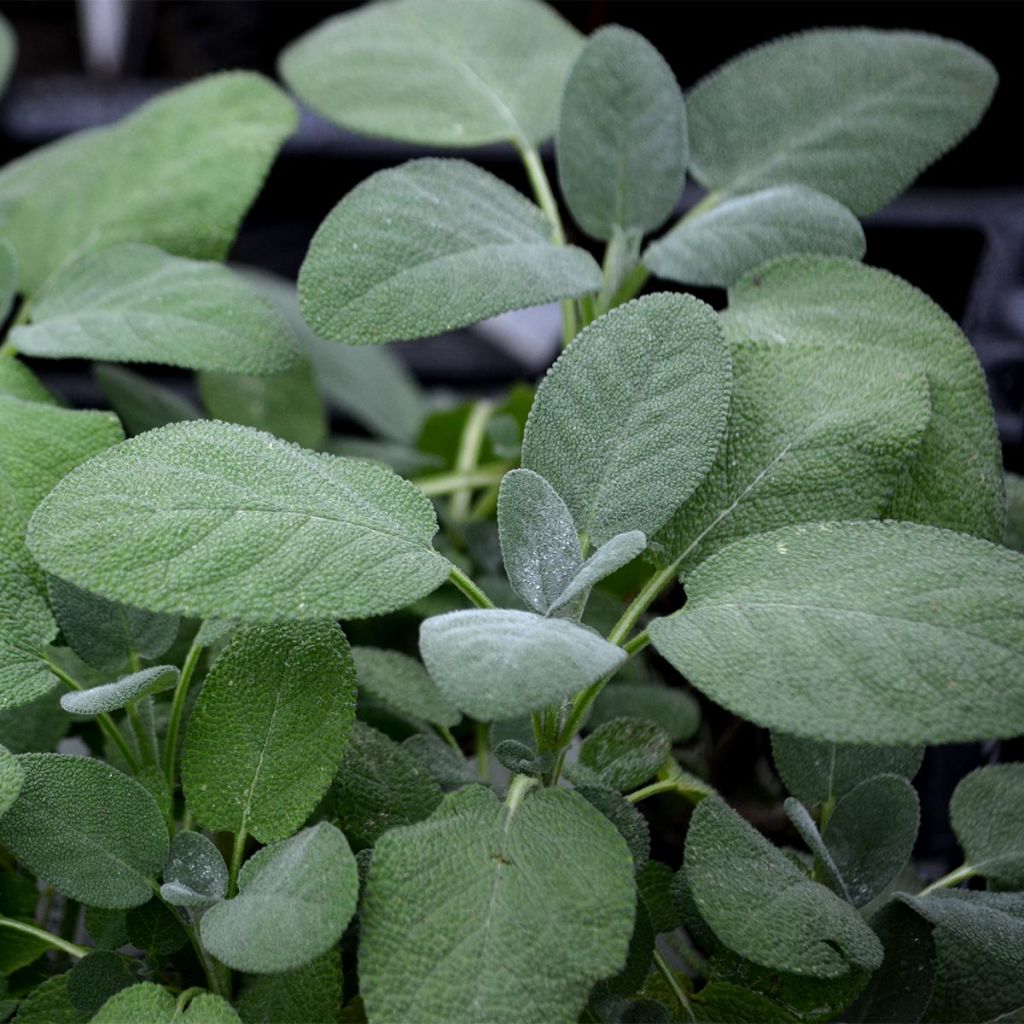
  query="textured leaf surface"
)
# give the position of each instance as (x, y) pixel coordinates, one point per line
(742, 232)
(220, 521)
(12, 776)
(1013, 536)
(431, 246)
(155, 929)
(179, 173)
(442, 74)
(195, 874)
(26, 626)
(147, 1003)
(987, 815)
(269, 728)
(631, 824)
(403, 683)
(498, 663)
(814, 435)
(625, 752)
(674, 711)
(84, 828)
(856, 113)
(294, 900)
(956, 481)
(488, 913)
(134, 303)
(98, 700)
(611, 556)
(621, 143)
(763, 907)
(310, 994)
(18, 381)
(852, 632)
(48, 1003)
(95, 978)
(142, 404)
(8, 266)
(627, 422)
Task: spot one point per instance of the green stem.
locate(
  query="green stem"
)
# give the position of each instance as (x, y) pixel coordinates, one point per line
(44, 936)
(961, 874)
(460, 580)
(146, 751)
(670, 979)
(174, 722)
(20, 317)
(439, 484)
(486, 504)
(446, 734)
(468, 456)
(237, 853)
(483, 752)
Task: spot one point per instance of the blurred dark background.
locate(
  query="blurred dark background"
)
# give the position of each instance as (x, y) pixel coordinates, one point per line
(958, 234)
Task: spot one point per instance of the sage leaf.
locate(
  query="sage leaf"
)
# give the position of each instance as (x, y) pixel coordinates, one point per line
(629, 822)
(672, 710)
(611, 556)
(48, 1003)
(98, 700)
(134, 303)
(155, 929)
(34, 727)
(814, 434)
(26, 627)
(308, 993)
(1013, 535)
(956, 480)
(807, 629)
(500, 663)
(18, 381)
(294, 900)
(97, 977)
(987, 815)
(763, 907)
(448, 768)
(92, 833)
(543, 890)
(742, 232)
(625, 752)
(148, 1003)
(179, 173)
(621, 143)
(213, 520)
(627, 422)
(539, 543)
(826, 870)
(195, 874)
(269, 728)
(431, 246)
(439, 74)
(855, 113)
(403, 683)
(8, 264)
(142, 404)
(12, 777)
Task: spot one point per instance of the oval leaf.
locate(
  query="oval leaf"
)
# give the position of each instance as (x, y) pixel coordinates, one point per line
(625, 752)
(26, 627)
(403, 683)
(987, 815)
(98, 700)
(611, 556)
(195, 874)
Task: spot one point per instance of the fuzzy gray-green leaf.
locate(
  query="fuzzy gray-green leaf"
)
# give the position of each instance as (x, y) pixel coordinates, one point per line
(195, 874)
(403, 683)
(26, 627)
(611, 556)
(12, 777)
(987, 815)
(310, 994)
(98, 700)
(672, 710)
(148, 1003)
(141, 403)
(431, 246)
(625, 752)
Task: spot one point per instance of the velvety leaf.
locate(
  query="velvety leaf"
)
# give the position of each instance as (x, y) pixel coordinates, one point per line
(134, 303)
(178, 173)
(107, 928)
(310, 994)
(155, 929)
(214, 520)
(856, 113)
(814, 434)
(98, 700)
(741, 232)
(84, 828)
(294, 900)
(147, 1003)
(34, 727)
(269, 728)
(625, 752)
(495, 912)
(956, 480)
(672, 710)
(142, 404)
(621, 143)
(440, 74)
(654, 882)
(987, 815)
(195, 874)
(49, 1003)
(403, 683)
(8, 265)
(722, 1001)
(627, 422)
(18, 381)
(498, 663)
(853, 632)
(26, 626)
(12, 776)
(611, 556)
(449, 769)
(8, 52)
(631, 824)
(95, 978)
(431, 246)
(825, 869)
(1013, 535)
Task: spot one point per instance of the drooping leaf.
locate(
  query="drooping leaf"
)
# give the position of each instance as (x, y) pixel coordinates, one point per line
(814, 435)
(987, 815)
(625, 752)
(135, 303)
(26, 626)
(179, 173)
(627, 422)
(403, 683)
(495, 912)
(439, 74)
(147, 1003)
(956, 480)
(621, 143)
(269, 727)
(84, 828)
(12, 776)
(294, 900)
(742, 232)
(852, 632)
(431, 246)
(674, 711)
(98, 700)
(142, 404)
(611, 556)
(763, 907)
(195, 874)
(855, 113)
(499, 663)
(310, 994)
(214, 520)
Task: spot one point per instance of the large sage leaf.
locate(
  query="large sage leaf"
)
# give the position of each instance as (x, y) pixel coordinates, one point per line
(498, 663)
(627, 422)
(294, 900)
(460, 73)
(220, 521)
(987, 815)
(179, 173)
(621, 141)
(719, 246)
(857, 632)
(269, 728)
(814, 434)
(855, 113)
(84, 828)
(308, 993)
(491, 912)
(431, 246)
(134, 303)
(956, 481)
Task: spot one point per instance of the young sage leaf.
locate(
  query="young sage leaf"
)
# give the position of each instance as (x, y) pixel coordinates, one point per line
(98, 700)
(611, 556)
(987, 815)
(195, 874)
(403, 683)
(624, 753)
